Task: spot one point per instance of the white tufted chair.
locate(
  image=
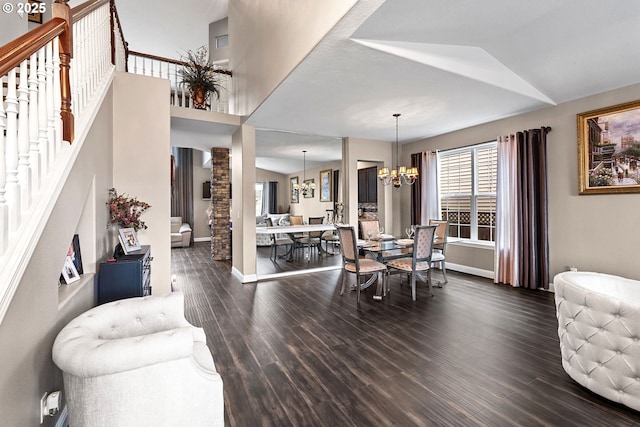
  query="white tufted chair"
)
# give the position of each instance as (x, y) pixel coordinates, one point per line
(599, 330)
(138, 362)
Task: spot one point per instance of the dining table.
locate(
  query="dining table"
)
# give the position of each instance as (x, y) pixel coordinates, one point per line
(294, 230)
(383, 248)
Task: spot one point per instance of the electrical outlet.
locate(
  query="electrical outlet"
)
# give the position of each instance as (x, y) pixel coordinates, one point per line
(43, 407)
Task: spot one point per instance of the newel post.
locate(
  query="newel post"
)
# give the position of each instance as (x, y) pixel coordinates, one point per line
(60, 9)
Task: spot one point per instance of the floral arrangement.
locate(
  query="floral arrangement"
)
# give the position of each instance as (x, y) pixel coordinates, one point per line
(126, 211)
(198, 72)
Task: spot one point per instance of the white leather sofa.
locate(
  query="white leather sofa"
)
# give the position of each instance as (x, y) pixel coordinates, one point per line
(138, 362)
(180, 233)
(599, 329)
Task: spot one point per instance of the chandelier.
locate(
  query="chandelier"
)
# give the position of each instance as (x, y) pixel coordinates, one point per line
(304, 188)
(400, 174)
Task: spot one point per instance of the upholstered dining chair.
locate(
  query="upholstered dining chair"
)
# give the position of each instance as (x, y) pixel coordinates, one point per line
(355, 265)
(312, 239)
(277, 242)
(420, 261)
(369, 227)
(440, 247)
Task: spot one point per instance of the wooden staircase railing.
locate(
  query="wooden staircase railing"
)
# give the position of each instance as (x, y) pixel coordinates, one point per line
(50, 81)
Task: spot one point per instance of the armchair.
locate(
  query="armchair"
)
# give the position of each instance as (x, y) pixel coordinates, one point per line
(138, 362)
(180, 233)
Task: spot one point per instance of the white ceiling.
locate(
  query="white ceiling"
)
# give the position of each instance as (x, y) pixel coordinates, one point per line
(445, 65)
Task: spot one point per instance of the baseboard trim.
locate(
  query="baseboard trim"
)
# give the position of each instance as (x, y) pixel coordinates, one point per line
(488, 274)
(248, 278)
(62, 419)
(296, 273)
(202, 239)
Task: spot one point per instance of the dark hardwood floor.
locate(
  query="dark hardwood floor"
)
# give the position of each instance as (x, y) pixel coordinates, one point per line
(294, 352)
(266, 266)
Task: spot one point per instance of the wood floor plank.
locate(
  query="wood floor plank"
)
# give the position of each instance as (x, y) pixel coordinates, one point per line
(294, 352)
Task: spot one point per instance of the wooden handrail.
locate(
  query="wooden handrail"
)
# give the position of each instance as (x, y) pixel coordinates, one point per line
(175, 61)
(86, 8)
(13, 53)
(115, 20)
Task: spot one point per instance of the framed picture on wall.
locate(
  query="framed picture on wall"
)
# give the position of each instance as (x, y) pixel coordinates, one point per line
(293, 190)
(325, 185)
(34, 9)
(608, 149)
(206, 190)
(310, 185)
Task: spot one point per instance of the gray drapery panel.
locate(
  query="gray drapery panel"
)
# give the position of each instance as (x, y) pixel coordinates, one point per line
(269, 197)
(182, 195)
(416, 190)
(522, 245)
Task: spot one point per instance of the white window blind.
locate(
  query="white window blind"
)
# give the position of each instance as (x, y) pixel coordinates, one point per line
(468, 191)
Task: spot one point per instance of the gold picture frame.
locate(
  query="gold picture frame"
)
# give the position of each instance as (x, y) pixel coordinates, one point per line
(325, 185)
(609, 149)
(293, 191)
(35, 10)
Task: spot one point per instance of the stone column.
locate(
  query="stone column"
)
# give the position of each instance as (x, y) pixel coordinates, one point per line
(220, 194)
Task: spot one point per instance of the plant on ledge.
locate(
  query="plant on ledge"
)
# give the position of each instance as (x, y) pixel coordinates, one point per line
(201, 76)
(126, 211)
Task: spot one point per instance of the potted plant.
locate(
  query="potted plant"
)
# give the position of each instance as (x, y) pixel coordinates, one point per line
(201, 77)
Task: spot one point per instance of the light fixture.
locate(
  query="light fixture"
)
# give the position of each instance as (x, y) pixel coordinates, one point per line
(305, 188)
(400, 174)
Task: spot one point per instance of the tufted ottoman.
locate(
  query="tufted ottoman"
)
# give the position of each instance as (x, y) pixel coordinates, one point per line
(599, 329)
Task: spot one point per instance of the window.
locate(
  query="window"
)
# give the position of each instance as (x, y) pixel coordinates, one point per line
(222, 41)
(468, 191)
(259, 187)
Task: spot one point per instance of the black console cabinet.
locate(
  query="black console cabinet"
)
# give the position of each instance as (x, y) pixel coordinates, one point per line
(129, 276)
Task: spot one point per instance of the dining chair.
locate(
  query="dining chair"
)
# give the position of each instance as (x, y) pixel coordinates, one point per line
(312, 239)
(420, 261)
(277, 242)
(369, 227)
(352, 263)
(440, 246)
(296, 220)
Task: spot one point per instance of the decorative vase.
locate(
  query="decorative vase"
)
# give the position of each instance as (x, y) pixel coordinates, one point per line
(200, 97)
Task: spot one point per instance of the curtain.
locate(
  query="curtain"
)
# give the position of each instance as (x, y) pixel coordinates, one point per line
(269, 197)
(430, 187)
(522, 247)
(416, 190)
(182, 194)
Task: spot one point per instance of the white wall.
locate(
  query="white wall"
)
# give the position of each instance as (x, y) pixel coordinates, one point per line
(308, 207)
(13, 26)
(35, 316)
(141, 159)
(201, 174)
(594, 232)
(270, 38)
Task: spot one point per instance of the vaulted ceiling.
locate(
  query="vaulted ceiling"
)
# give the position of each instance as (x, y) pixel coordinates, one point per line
(445, 65)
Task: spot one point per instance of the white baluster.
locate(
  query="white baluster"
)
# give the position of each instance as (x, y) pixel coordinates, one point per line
(53, 149)
(57, 96)
(11, 152)
(4, 213)
(42, 114)
(24, 174)
(34, 151)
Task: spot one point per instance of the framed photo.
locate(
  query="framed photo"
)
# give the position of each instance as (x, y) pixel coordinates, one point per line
(69, 271)
(325, 185)
(206, 190)
(34, 9)
(129, 240)
(293, 190)
(609, 149)
(312, 192)
(75, 255)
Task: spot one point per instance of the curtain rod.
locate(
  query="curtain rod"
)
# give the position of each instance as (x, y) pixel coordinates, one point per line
(545, 128)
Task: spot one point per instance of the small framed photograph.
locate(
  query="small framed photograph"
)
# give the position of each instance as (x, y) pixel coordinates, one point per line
(206, 190)
(608, 149)
(325, 185)
(311, 192)
(69, 271)
(293, 190)
(35, 10)
(129, 240)
(75, 255)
